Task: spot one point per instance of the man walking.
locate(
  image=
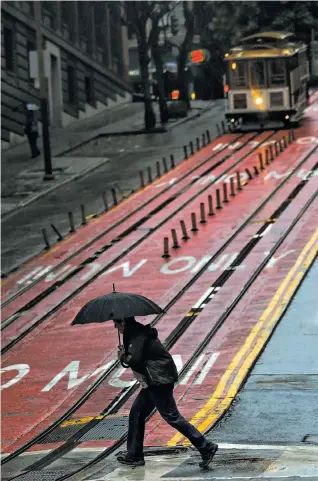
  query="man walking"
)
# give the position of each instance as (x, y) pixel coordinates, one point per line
(156, 371)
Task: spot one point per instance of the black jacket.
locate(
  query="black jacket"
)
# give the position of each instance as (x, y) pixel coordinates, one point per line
(147, 357)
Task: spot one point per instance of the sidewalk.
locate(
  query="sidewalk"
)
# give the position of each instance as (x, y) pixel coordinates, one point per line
(22, 178)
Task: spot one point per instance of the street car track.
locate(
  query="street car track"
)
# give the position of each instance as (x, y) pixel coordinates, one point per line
(177, 333)
(124, 219)
(184, 324)
(129, 248)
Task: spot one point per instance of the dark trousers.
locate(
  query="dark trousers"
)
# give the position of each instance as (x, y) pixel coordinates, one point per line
(32, 138)
(162, 398)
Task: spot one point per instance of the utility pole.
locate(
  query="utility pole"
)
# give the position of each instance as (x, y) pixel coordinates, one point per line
(43, 94)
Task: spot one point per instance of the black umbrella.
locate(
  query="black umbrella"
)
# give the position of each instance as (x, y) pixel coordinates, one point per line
(117, 305)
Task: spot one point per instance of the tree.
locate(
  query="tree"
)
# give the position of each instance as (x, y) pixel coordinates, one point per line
(143, 17)
(189, 22)
(137, 15)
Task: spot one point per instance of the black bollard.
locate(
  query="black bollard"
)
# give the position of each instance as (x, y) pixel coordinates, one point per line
(46, 240)
(208, 136)
(194, 222)
(198, 144)
(210, 204)
(191, 148)
(238, 181)
(225, 196)
(218, 199)
(105, 201)
(114, 195)
(232, 187)
(175, 244)
(84, 221)
(166, 247)
(184, 230)
(165, 167)
(185, 150)
(271, 153)
(158, 169)
(149, 175)
(261, 163)
(172, 161)
(71, 219)
(57, 232)
(202, 213)
(249, 174)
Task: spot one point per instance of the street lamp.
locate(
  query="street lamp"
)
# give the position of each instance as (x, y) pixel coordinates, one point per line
(43, 94)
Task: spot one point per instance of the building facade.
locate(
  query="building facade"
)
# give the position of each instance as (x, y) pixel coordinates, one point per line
(85, 56)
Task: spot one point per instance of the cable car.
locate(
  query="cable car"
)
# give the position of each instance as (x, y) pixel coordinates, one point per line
(266, 79)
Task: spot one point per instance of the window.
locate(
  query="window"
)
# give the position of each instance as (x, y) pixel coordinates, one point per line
(71, 85)
(89, 90)
(240, 101)
(8, 49)
(31, 46)
(276, 99)
(238, 74)
(257, 74)
(277, 72)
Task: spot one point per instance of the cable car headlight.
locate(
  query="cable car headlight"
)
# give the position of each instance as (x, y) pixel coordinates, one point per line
(286, 117)
(258, 100)
(232, 120)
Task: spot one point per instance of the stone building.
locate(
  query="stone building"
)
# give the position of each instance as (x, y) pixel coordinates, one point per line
(85, 56)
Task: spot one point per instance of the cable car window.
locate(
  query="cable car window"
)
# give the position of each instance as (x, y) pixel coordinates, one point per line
(257, 74)
(277, 72)
(238, 74)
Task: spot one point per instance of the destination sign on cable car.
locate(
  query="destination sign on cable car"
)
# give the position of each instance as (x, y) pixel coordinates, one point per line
(198, 56)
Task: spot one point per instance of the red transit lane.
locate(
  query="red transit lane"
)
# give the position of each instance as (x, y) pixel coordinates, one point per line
(50, 351)
(172, 213)
(46, 261)
(106, 239)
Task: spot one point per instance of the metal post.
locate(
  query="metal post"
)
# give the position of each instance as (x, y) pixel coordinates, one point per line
(256, 172)
(149, 175)
(184, 230)
(281, 145)
(57, 232)
(46, 240)
(232, 187)
(267, 157)
(142, 179)
(194, 222)
(43, 94)
(276, 149)
(166, 247)
(203, 140)
(284, 142)
(175, 244)
(202, 213)
(249, 174)
(293, 136)
(271, 152)
(191, 148)
(71, 219)
(218, 130)
(185, 150)
(198, 144)
(208, 136)
(105, 201)
(223, 127)
(165, 167)
(84, 221)
(218, 199)
(225, 196)
(261, 163)
(158, 169)
(210, 204)
(172, 161)
(113, 191)
(238, 180)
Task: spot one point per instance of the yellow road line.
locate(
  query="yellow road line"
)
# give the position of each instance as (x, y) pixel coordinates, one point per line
(72, 422)
(205, 413)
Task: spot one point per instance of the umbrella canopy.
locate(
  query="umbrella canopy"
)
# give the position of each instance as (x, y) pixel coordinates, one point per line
(116, 305)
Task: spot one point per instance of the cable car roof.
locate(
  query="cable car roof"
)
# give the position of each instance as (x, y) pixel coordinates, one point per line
(266, 45)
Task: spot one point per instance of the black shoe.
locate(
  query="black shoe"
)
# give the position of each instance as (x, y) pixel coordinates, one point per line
(208, 454)
(130, 461)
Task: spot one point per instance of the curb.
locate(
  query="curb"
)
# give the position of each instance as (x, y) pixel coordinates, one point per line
(10, 213)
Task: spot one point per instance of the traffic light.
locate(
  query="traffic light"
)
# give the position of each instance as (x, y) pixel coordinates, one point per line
(174, 25)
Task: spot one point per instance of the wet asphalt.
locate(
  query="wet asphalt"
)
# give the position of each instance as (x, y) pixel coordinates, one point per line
(21, 232)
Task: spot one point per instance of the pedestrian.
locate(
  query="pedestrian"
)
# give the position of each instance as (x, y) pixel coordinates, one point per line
(154, 368)
(31, 131)
(31, 126)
